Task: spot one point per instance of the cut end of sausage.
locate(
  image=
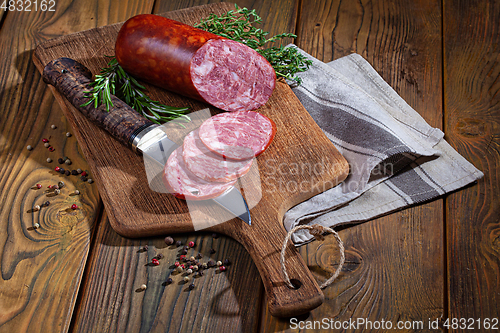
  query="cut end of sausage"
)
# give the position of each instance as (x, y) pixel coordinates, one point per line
(231, 76)
(183, 184)
(238, 135)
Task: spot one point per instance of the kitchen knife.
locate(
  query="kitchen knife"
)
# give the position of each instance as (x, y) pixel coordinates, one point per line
(144, 137)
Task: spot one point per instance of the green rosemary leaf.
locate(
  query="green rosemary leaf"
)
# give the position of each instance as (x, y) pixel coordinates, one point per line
(114, 80)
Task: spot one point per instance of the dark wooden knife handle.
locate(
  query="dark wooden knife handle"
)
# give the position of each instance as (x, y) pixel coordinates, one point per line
(72, 80)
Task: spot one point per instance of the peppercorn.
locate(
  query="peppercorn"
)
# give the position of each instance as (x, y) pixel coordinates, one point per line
(191, 286)
(182, 266)
(67, 162)
(84, 173)
(189, 271)
(214, 235)
(169, 240)
(182, 257)
(177, 264)
(74, 206)
(169, 281)
(210, 263)
(29, 147)
(184, 251)
(145, 248)
(200, 273)
(46, 145)
(159, 256)
(53, 126)
(199, 256)
(36, 225)
(79, 170)
(49, 160)
(51, 148)
(178, 243)
(36, 208)
(195, 268)
(60, 160)
(192, 259)
(38, 185)
(46, 203)
(204, 265)
(57, 191)
(219, 263)
(83, 178)
(226, 262)
(90, 181)
(74, 172)
(61, 170)
(67, 172)
(44, 140)
(65, 158)
(143, 287)
(60, 184)
(77, 192)
(186, 247)
(57, 169)
(222, 268)
(186, 279)
(179, 269)
(155, 262)
(191, 244)
(68, 134)
(212, 251)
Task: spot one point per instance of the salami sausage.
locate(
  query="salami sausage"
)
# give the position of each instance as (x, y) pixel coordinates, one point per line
(237, 135)
(209, 166)
(185, 185)
(194, 63)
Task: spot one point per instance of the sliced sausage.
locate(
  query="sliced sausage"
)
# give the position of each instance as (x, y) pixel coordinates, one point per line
(237, 135)
(209, 166)
(194, 63)
(183, 184)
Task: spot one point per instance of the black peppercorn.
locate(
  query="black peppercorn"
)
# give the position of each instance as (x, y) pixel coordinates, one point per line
(212, 251)
(169, 240)
(83, 178)
(46, 203)
(159, 256)
(191, 286)
(199, 256)
(60, 160)
(227, 262)
(210, 263)
(61, 170)
(168, 281)
(178, 243)
(74, 172)
(184, 251)
(67, 172)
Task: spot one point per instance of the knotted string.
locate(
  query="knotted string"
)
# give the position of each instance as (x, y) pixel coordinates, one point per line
(317, 231)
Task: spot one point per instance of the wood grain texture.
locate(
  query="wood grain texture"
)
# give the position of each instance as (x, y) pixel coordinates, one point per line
(394, 264)
(472, 119)
(134, 210)
(41, 268)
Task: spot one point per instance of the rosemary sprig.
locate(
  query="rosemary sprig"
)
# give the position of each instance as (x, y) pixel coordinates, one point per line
(238, 25)
(113, 80)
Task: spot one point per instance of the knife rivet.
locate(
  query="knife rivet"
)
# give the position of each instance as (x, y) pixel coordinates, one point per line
(191, 244)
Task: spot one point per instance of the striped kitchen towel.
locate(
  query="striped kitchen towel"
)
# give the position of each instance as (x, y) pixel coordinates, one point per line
(396, 159)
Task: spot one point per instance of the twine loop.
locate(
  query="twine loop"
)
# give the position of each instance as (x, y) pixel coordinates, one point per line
(317, 231)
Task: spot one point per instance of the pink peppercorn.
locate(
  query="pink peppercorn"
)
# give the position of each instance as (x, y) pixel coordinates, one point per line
(45, 140)
(51, 148)
(182, 265)
(84, 173)
(177, 264)
(57, 169)
(155, 261)
(74, 206)
(191, 244)
(222, 268)
(38, 185)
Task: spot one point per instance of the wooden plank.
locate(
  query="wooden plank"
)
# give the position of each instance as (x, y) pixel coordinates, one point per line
(472, 118)
(394, 264)
(42, 268)
(222, 300)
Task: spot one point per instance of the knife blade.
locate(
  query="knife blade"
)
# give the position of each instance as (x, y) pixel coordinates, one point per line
(145, 138)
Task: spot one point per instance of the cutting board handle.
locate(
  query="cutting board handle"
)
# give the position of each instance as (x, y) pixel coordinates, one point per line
(263, 241)
(72, 80)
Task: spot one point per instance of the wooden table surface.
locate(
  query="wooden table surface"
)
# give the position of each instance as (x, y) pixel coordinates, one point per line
(432, 261)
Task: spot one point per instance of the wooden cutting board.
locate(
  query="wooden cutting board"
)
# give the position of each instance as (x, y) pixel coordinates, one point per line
(300, 163)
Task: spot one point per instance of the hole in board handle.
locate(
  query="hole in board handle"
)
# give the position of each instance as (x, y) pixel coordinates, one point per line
(296, 283)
